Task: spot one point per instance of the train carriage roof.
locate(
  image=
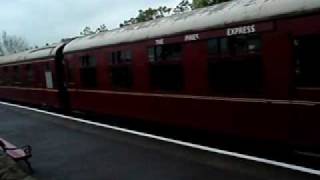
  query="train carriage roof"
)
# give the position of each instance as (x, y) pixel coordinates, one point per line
(217, 16)
(33, 54)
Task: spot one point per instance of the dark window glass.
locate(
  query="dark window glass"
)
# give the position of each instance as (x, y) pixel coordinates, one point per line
(6, 77)
(113, 58)
(246, 44)
(2, 77)
(224, 46)
(254, 44)
(236, 74)
(240, 44)
(236, 45)
(16, 75)
(307, 61)
(119, 60)
(165, 52)
(30, 74)
(121, 77)
(167, 77)
(152, 54)
(47, 67)
(159, 53)
(213, 46)
(88, 72)
(120, 69)
(70, 72)
(121, 57)
(171, 51)
(126, 56)
(236, 77)
(88, 62)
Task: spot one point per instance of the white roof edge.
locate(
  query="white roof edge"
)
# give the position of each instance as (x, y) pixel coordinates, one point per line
(25, 56)
(220, 15)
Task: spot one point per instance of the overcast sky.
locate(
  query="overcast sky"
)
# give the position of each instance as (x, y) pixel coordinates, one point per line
(48, 21)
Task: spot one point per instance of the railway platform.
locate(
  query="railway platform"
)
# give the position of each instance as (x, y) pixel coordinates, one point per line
(74, 150)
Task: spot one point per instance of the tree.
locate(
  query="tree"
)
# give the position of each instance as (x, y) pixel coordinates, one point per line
(10, 44)
(148, 15)
(155, 13)
(182, 7)
(87, 30)
(102, 28)
(204, 3)
(162, 11)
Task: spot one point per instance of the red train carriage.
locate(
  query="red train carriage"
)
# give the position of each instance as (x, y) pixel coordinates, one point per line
(244, 68)
(31, 77)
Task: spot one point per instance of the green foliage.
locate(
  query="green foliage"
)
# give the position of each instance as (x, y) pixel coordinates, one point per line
(102, 28)
(204, 3)
(182, 7)
(148, 15)
(88, 31)
(162, 11)
(155, 13)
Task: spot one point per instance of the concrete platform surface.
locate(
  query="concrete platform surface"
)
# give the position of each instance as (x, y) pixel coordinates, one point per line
(69, 150)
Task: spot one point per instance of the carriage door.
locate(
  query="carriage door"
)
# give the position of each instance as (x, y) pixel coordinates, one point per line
(307, 88)
(307, 62)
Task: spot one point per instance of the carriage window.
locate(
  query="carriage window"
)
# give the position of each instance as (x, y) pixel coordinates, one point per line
(236, 45)
(165, 52)
(224, 46)
(120, 69)
(236, 77)
(70, 72)
(88, 62)
(2, 77)
(121, 77)
(121, 57)
(307, 61)
(246, 44)
(16, 75)
(237, 74)
(240, 44)
(88, 72)
(254, 44)
(126, 56)
(30, 74)
(152, 54)
(47, 67)
(6, 79)
(218, 45)
(213, 46)
(171, 51)
(167, 77)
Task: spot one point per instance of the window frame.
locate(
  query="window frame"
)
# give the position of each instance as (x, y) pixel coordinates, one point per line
(159, 53)
(85, 70)
(230, 49)
(232, 58)
(164, 66)
(121, 60)
(121, 57)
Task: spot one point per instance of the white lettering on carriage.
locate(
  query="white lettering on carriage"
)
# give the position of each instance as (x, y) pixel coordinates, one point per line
(192, 37)
(159, 41)
(241, 30)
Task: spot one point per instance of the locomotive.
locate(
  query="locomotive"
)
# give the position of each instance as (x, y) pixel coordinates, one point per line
(244, 68)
